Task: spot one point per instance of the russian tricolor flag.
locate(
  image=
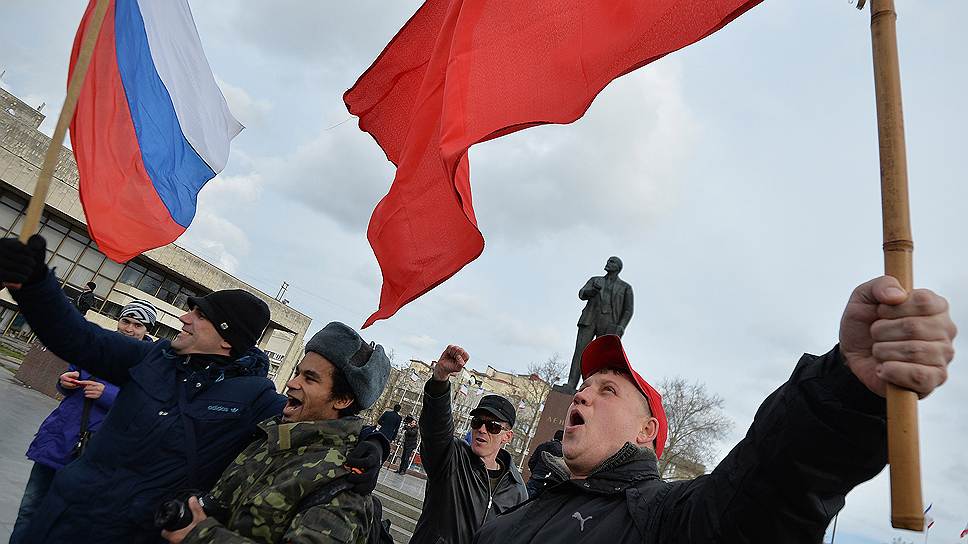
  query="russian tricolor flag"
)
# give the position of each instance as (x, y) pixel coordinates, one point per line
(151, 125)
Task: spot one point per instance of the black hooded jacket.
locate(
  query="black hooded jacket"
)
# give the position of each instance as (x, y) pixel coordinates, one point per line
(811, 442)
(458, 498)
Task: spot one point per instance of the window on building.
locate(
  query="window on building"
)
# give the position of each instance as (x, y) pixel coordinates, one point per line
(15, 231)
(132, 274)
(163, 331)
(57, 225)
(92, 258)
(70, 248)
(53, 237)
(150, 282)
(104, 285)
(168, 291)
(8, 216)
(111, 309)
(182, 299)
(111, 269)
(13, 201)
(61, 266)
(80, 276)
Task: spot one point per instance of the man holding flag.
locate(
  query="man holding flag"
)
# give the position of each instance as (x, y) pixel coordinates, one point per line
(813, 440)
(149, 130)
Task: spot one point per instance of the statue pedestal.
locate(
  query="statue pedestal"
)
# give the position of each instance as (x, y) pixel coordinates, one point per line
(552, 419)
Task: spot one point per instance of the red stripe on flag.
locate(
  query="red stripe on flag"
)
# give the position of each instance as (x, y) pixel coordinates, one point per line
(125, 215)
(459, 73)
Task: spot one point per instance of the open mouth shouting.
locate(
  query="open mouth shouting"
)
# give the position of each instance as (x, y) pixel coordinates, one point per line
(575, 420)
(292, 407)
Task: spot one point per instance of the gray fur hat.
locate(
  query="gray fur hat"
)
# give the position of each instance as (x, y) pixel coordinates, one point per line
(365, 365)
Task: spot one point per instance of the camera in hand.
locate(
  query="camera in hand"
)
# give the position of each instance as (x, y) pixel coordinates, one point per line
(174, 514)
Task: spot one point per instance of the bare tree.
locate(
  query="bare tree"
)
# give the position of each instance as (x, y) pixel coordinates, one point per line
(543, 376)
(697, 423)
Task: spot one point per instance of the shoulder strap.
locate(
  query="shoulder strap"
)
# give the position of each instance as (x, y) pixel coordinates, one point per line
(86, 414)
(324, 495)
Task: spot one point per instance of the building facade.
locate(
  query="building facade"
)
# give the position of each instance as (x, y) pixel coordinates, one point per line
(166, 276)
(526, 392)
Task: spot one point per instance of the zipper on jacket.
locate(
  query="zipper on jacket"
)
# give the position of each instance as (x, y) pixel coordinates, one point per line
(490, 494)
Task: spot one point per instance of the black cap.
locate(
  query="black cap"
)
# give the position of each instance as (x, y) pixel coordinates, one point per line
(238, 316)
(497, 406)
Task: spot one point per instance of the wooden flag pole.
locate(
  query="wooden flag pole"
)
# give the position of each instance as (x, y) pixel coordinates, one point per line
(74, 86)
(902, 405)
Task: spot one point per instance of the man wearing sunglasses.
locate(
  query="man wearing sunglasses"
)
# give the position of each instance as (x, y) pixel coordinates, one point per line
(466, 483)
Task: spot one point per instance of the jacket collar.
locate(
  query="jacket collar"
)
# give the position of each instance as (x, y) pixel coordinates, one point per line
(503, 457)
(630, 464)
(338, 433)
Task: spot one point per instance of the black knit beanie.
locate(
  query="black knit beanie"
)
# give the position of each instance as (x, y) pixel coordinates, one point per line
(238, 316)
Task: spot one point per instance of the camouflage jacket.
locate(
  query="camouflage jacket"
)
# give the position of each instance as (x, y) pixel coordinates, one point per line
(265, 483)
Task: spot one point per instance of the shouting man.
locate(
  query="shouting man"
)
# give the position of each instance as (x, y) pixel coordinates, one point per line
(812, 441)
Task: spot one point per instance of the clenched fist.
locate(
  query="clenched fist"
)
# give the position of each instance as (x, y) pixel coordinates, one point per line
(451, 361)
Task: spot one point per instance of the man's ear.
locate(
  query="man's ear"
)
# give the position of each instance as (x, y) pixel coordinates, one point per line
(508, 436)
(648, 432)
(342, 403)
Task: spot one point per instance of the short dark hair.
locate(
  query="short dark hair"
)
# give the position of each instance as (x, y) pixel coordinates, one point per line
(396, 407)
(342, 390)
(91, 285)
(408, 419)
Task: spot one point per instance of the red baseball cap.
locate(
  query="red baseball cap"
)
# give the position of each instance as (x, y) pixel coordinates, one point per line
(607, 352)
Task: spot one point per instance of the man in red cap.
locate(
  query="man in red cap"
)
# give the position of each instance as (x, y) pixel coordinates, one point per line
(813, 440)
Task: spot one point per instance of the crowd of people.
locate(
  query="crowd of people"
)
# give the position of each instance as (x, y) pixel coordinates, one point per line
(199, 447)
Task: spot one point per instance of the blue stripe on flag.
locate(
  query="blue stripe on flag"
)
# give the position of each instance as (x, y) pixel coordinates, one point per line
(175, 168)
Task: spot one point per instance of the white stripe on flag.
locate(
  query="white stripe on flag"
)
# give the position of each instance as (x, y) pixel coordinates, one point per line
(176, 50)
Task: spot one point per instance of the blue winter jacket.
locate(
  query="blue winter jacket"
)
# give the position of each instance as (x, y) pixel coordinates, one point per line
(176, 423)
(53, 446)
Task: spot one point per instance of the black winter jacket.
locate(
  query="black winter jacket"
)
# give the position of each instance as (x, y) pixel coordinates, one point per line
(811, 442)
(410, 437)
(458, 498)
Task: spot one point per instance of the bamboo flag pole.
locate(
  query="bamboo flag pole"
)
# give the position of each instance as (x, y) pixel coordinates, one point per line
(74, 86)
(902, 405)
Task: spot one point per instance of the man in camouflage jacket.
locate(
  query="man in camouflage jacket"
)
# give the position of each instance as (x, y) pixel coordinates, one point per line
(263, 491)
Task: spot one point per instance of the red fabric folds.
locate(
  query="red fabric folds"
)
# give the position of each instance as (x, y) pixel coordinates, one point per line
(462, 72)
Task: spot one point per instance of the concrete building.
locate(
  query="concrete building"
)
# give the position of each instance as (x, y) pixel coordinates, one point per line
(166, 276)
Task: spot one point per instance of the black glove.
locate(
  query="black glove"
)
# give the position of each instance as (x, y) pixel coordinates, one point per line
(364, 464)
(23, 264)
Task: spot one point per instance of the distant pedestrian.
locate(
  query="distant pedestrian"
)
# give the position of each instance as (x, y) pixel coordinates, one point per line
(538, 464)
(411, 436)
(389, 423)
(85, 300)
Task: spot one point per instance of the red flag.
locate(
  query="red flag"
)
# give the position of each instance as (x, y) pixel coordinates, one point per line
(459, 73)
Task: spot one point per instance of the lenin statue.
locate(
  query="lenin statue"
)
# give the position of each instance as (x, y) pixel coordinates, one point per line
(608, 311)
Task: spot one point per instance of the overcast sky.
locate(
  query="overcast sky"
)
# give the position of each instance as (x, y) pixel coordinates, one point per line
(737, 179)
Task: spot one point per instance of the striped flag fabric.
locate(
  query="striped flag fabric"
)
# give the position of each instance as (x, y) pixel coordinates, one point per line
(151, 125)
(928, 520)
(964, 532)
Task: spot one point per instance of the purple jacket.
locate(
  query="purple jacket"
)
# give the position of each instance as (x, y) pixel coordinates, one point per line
(57, 435)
